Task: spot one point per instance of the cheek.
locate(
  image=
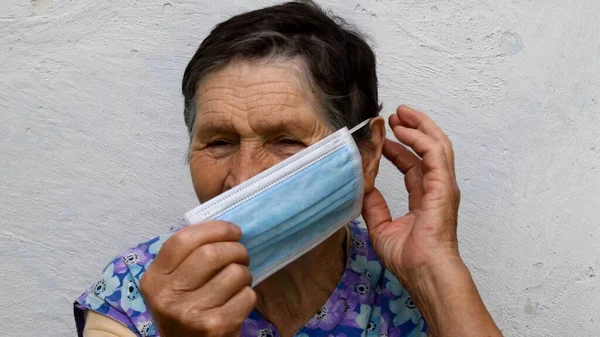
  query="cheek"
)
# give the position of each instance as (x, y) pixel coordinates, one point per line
(208, 175)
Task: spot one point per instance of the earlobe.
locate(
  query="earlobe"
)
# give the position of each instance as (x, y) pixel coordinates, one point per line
(372, 154)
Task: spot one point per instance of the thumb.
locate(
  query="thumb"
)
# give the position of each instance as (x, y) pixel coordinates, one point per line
(375, 210)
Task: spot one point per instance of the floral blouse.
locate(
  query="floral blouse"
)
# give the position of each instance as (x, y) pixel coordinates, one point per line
(368, 300)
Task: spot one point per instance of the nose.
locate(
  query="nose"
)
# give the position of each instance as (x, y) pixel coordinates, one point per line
(248, 162)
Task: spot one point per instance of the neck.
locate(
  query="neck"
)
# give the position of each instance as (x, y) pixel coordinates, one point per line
(290, 297)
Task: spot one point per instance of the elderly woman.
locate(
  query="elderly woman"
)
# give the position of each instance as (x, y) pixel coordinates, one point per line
(261, 93)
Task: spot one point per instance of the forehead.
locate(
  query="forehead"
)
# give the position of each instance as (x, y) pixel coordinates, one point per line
(256, 94)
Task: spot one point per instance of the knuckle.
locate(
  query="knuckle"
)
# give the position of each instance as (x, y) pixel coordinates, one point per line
(437, 147)
(146, 284)
(188, 317)
(237, 271)
(208, 253)
(160, 304)
(247, 275)
(241, 251)
(214, 323)
(252, 297)
(457, 191)
(155, 295)
(179, 239)
(168, 302)
(238, 321)
(445, 139)
(222, 228)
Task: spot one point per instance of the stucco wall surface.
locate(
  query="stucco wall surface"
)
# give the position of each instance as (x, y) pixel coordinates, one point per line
(92, 142)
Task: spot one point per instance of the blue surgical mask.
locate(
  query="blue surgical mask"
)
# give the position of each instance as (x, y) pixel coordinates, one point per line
(288, 209)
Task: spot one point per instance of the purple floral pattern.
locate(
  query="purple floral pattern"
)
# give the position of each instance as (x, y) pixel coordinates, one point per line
(367, 302)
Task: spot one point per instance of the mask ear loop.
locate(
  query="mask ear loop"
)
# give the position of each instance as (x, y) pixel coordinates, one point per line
(359, 126)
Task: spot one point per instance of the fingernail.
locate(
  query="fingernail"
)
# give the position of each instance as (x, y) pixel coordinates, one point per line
(236, 229)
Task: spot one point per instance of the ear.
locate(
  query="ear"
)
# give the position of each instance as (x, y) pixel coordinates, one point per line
(371, 154)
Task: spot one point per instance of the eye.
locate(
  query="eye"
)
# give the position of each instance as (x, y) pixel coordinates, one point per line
(289, 141)
(287, 146)
(220, 143)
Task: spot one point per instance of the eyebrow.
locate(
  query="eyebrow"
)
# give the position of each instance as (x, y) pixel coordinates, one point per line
(211, 121)
(205, 130)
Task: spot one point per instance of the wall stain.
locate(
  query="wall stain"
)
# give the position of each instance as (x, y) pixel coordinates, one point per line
(167, 7)
(511, 43)
(489, 36)
(40, 6)
(532, 308)
(590, 272)
(360, 9)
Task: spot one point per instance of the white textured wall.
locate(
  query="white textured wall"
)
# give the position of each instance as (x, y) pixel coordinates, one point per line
(92, 142)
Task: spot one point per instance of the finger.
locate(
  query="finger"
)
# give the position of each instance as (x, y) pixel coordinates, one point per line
(232, 314)
(416, 190)
(375, 210)
(223, 320)
(185, 241)
(394, 120)
(400, 156)
(205, 262)
(241, 304)
(412, 118)
(221, 288)
(428, 148)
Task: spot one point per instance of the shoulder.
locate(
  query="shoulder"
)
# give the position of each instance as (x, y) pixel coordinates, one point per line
(116, 292)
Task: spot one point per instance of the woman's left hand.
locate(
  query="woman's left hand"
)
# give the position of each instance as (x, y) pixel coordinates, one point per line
(421, 247)
(426, 234)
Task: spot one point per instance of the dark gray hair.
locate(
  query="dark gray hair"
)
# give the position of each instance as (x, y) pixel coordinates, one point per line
(340, 64)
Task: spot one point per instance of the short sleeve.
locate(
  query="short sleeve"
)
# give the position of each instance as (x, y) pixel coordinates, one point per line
(116, 294)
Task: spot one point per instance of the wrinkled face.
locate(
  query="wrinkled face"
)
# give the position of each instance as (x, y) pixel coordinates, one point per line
(249, 117)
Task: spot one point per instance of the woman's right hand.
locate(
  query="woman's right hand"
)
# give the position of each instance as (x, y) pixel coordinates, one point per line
(199, 283)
